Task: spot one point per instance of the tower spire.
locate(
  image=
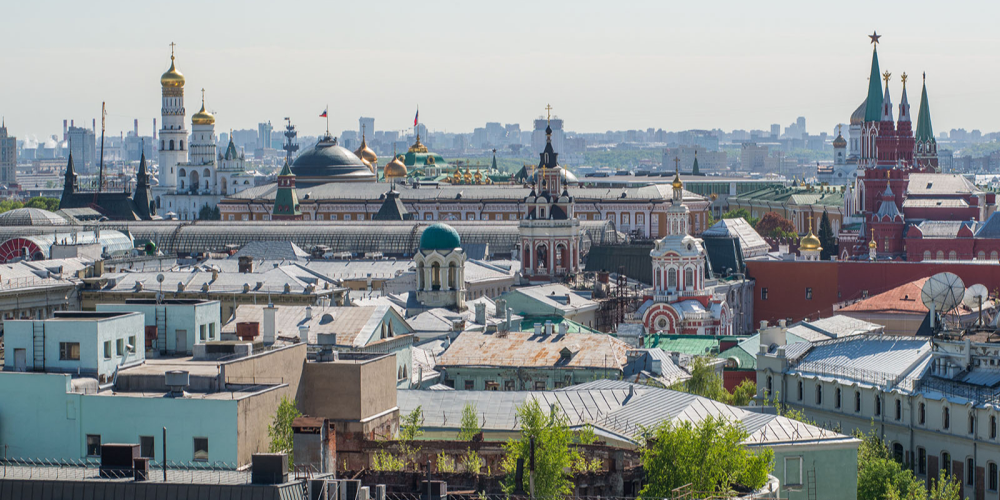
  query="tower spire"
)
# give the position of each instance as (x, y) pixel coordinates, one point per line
(873, 111)
(904, 103)
(886, 99)
(925, 132)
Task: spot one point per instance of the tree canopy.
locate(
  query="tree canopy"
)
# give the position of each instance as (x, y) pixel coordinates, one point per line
(280, 429)
(827, 239)
(552, 455)
(772, 224)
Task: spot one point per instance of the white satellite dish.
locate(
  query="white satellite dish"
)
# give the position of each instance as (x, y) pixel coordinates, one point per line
(975, 295)
(941, 293)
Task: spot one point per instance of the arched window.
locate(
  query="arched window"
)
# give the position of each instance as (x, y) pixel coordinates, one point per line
(946, 462)
(970, 471)
(800, 390)
(946, 419)
(182, 146)
(993, 426)
(981, 255)
(922, 414)
(837, 397)
(208, 173)
(992, 478)
(952, 255)
(878, 405)
(993, 255)
(435, 276)
(688, 278)
(182, 173)
(927, 255)
(659, 280)
(972, 423)
(671, 278)
(897, 452)
(857, 401)
(453, 277)
(769, 384)
(939, 255)
(161, 145)
(819, 394)
(171, 144)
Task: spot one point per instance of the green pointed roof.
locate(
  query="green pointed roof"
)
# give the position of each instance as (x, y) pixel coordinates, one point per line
(231, 153)
(873, 112)
(286, 170)
(925, 132)
(694, 168)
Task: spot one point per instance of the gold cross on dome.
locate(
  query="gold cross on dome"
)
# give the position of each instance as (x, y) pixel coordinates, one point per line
(548, 113)
(677, 164)
(172, 45)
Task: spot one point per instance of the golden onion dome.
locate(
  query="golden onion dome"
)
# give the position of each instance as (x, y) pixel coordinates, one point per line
(858, 117)
(365, 153)
(417, 147)
(810, 242)
(677, 184)
(203, 117)
(394, 169)
(872, 244)
(368, 164)
(840, 142)
(172, 78)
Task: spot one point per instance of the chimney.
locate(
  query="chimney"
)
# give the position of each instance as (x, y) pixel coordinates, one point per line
(480, 313)
(304, 334)
(309, 312)
(215, 274)
(269, 333)
(538, 328)
(563, 328)
(549, 329)
(501, 308)
(245, 265)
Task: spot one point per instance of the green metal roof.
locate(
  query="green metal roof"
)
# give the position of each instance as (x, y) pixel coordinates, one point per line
(440, 237)
(698, 345)
(925, 132)
(528, 324)
(873, 112)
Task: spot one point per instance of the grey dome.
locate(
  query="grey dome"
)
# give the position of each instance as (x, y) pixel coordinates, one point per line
(31, 217)
(329, 161)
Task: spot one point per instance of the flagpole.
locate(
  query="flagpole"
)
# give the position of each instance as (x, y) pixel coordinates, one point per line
(327, 120)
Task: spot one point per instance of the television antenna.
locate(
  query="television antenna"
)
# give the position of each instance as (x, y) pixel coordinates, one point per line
(942, 292)
(975, 295)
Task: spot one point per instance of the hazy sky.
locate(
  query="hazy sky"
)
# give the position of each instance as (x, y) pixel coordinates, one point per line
(607, 65)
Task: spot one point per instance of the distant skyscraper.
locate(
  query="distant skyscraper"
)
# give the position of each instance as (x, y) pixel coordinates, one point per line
(801, 123)
(82, 144)
(366, 127)
(8, 156)
(775, 129)
(264, 131)
(538, 135)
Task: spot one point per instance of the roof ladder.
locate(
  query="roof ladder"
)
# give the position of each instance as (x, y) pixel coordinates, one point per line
(38, 344)
(161, 328)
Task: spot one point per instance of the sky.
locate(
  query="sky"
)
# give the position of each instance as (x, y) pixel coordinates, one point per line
(601, 65)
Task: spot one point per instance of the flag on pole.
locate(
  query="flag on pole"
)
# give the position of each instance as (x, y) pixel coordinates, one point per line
(416, 117)
(323, 114)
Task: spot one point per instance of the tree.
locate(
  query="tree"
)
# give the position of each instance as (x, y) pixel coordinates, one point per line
(704, 381)
(744, 393)
(470, 424)
(280, 429)
(551, 436)
(710, 456)
(409, 425)
(826, 237)
(880, 476)
(209, 213)
(50, 204)
(772, 224)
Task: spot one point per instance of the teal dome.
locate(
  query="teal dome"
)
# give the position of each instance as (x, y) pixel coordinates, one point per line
(440, 237)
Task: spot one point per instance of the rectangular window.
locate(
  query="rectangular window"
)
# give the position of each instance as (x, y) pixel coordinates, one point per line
(809, 293)
(246, 217)
(492, 386)
(203, 332)
(107, 349)
(333, 216)
(93, 445)
(131, 342)
(921, 461)
(511, 216)
(69, 351)
(469, 385)
(793, 471)
(147, 447)
(200, 449)
(539, 385)
(319, 216)
(508, 385)
(347, 216)
(119, 347)
(211, 331)
(993, 476)
(970, 472)
(428, 216)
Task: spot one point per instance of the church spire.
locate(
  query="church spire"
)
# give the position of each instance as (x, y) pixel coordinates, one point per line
(904, 103)
(925, 132)
(886, 100)
(873, 111)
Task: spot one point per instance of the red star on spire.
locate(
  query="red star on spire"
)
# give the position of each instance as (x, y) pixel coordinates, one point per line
(874, 36)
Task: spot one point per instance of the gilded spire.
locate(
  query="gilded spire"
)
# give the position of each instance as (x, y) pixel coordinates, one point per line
(172, 78)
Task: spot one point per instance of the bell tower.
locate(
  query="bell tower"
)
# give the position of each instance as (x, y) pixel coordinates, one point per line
(173, 135)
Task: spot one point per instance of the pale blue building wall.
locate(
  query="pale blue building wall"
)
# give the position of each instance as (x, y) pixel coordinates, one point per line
(190, 318)
(835, 469)
(40, 418)
(90, 332)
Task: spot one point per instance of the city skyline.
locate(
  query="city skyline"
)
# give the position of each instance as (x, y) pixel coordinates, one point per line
(600, 70)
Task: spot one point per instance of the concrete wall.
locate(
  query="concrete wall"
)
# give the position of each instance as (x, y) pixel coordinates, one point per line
(90, 333)
(834, 468)
(524, 378)
(348, 390)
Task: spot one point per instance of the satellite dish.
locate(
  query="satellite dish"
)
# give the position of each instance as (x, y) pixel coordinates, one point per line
(159, 278)
(975, 295)
(941, 293)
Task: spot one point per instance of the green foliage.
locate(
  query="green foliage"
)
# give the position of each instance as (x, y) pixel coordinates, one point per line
(50, 204)
(738, 213)
(580, 462)
(470, 424)
(409, 425)
(826, 238)
(445, 463)
(552, 438)
(209, 213)
(774, 225)
(280, 429)
(472, 462)
(709, 456)
(880, 476)
(383, 461)
(744, 393)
